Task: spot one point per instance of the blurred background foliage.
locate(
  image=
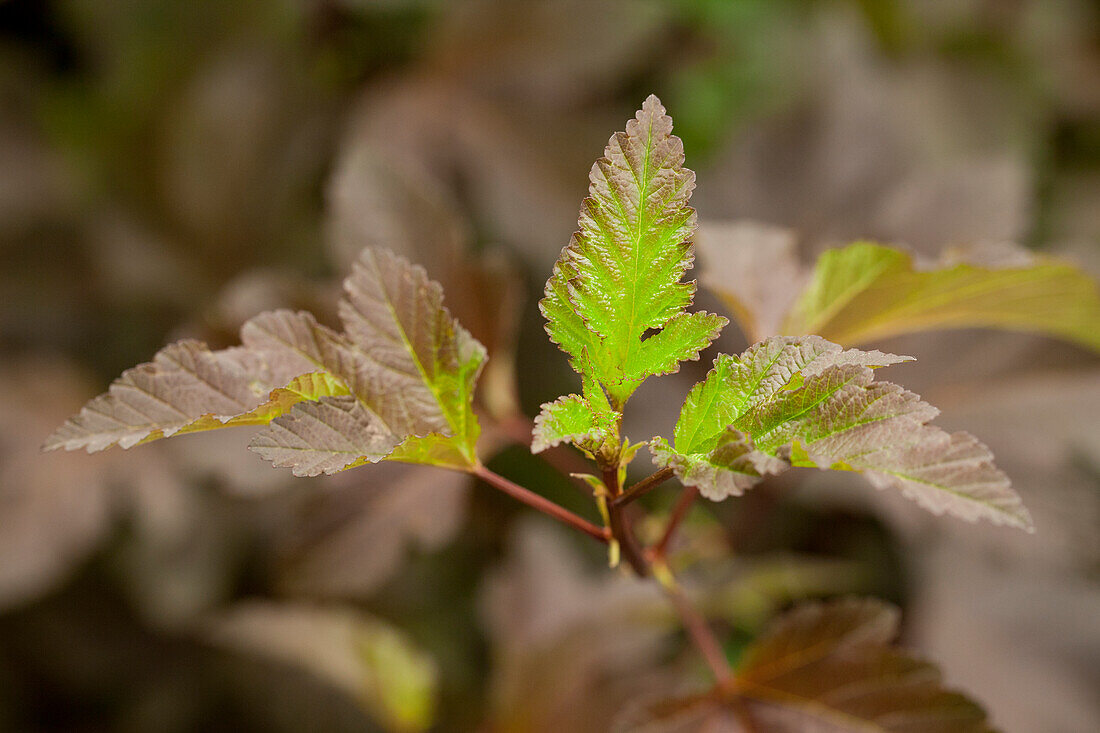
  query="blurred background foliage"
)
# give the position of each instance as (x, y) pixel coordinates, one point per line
(170, 168)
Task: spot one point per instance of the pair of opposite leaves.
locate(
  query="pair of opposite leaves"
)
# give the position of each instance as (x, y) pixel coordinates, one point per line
(398, 382)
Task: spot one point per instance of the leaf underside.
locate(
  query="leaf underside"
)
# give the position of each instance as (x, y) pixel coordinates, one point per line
(615, 301)
(397, 384)
(825, 668)
(807, 402)
(866, 291)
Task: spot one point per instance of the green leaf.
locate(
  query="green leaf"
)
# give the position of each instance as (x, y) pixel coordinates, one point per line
(737, 385)
(620, 275)
(571, 419)
(681, 339)
(397, 384)
(866, 291)
(807, 402)
(732, 465)
(829, 667)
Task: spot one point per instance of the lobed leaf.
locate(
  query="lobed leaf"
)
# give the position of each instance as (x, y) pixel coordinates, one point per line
(807, 402)
(620, 275)
(570, 419)
(189, 388)
(866, 291)
(410, 368)
(728, 469)
(325, 437)
(397, 384)
(681, 339)
(828, 668)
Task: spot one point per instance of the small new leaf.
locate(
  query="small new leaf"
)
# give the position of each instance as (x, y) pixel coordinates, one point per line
(620, 275)
(570, 419)
(807, 402)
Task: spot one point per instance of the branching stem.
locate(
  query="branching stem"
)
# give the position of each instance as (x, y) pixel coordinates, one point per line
(643, 487)
(620, 527)
(541, 503)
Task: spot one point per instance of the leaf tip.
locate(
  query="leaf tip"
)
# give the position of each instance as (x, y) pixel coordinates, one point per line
(653, 105)
(52, 442)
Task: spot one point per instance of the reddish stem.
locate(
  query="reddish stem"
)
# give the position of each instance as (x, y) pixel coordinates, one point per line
(693, 621)
(683, 505)
(620, 526)
(541, 503)
(643, 487)
(702, 636)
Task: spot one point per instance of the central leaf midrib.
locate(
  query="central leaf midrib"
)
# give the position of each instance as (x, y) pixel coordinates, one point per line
(786, 420)
(643, 187)
(416, 359)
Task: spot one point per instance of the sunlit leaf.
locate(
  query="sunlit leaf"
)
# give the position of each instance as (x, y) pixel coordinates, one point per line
(732, 465)
(681, 339)
(867, 291)
(570, 419)
(806, 402)
(620, 276)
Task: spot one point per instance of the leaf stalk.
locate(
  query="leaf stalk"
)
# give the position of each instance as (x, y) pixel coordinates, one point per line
(541, 503)
(643, 487)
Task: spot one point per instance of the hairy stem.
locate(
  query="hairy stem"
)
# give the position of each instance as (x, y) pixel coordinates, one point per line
(643, 487)
(683, 505)
(543, 504)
